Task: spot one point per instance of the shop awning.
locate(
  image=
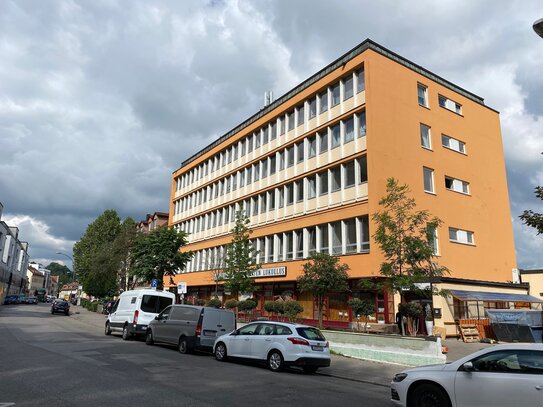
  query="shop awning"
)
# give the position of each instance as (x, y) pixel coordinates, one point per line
(492, 296)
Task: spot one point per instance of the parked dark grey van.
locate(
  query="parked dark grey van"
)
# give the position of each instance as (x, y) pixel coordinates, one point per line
(190, 327)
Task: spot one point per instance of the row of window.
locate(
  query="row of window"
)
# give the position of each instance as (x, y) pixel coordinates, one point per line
(319, 103)
(446, 141)
(334, 179)
(452, 184)
(336, 238)
(319, 143)
(422, 93)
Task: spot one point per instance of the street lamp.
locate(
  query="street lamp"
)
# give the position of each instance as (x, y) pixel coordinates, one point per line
(72, 260)
(538, 27)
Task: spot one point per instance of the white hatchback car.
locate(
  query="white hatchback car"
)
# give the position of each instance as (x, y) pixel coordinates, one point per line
(280, 344)
(502, 375)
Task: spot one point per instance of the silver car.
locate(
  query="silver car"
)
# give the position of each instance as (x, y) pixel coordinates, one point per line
(502, 375)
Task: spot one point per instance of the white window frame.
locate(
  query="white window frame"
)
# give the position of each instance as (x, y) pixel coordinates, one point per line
(453, 144)
(461, 236)
(429, 136)
(426, 170)
(457, 185)
(424, 89)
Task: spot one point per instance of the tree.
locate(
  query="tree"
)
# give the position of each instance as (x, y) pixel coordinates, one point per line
(122, 252)
(292, 309)
(157, 254)
(362, 307)
(92, 255)
(240, 257)
(406, 238)
(532, 218)
(63, 272)
(323, 274)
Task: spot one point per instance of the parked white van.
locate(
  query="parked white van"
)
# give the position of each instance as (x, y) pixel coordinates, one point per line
(134, 310)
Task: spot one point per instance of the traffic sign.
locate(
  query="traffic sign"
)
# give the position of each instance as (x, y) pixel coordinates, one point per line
(154, 283)
(181, 288)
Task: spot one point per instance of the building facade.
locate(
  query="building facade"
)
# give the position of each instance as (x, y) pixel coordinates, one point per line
(310, 168)
(152, 222)
(13, 260)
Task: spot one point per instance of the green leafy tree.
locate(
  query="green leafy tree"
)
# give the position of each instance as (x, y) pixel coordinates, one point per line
(157, 255)
(239, 261)
(92, 255)
(323, 274)
(532, 218)
(122, 258)
(63, 272)
(406, 238)
(362, 308)
(292, 309)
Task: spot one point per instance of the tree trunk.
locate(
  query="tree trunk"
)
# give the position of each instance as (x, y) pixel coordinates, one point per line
(320, 304)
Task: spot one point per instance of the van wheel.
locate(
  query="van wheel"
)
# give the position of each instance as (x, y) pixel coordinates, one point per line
(107, 330)
(183, 346)
(126, 334)
(275, 361)
(220, 352)
(149, 338)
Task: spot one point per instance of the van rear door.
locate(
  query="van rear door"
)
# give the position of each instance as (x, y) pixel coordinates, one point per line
(211, 325)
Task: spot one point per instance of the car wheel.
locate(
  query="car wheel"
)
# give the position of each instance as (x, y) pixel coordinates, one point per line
(310, 369)
(220, 352)
(107, 331)
(430, 395)
(183, 346)
(149, 338)
(126, 334)
(275, 361)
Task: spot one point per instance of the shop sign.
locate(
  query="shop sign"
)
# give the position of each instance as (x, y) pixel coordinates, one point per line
(269, 272)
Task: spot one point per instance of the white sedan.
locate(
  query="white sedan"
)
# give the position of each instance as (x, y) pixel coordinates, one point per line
(279, 344)
(502, 375)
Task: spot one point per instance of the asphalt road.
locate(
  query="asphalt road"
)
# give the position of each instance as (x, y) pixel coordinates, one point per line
(54, 360)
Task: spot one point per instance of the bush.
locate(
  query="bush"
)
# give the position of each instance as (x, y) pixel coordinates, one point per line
(92, 306)
(292, 309)
(214, 303)
(274, 307)
(247, 305)
(410, 309)
(230, 304)
(200, 301)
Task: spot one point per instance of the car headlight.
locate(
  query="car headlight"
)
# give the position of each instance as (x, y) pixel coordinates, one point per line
(398, 377)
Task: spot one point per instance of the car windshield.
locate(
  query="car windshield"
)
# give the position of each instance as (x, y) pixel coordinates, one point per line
(313, 334)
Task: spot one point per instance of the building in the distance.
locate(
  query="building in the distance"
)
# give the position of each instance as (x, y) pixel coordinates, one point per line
(152, 222)
(13, 260)
(310, 168)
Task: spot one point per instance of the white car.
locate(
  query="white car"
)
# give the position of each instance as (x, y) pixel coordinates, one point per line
(502, 375)
(280, 344)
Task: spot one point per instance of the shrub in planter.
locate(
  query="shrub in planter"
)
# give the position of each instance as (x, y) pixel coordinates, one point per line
(274, 307)
(292, 309)
(230, 304)
(247, 305)
(413, 311)
(362, 307)
(201, 301)
(214, 303)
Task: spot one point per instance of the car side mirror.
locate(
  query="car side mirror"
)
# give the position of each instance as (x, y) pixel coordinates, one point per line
(156, 318)
(468, 367)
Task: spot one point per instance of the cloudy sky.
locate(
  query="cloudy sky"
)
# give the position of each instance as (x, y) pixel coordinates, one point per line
(101, 100)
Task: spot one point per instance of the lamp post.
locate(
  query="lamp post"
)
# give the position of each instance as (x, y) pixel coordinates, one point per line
(538, 27)
(72, 260)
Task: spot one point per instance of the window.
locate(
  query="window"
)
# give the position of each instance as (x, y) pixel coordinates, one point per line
(299, 190)
(323, 140)
(249, 174)
(290, 194)
(312, 240)
(456, 185)
(428, 180)
(263, 203)
(312, 146)
(350, 234)
(363, 169)
(301, 115)
(423, 95)
(249, 142)
(337, 247)
(349, 174)
(425, 140)
(242, 145)
(273, 131)
(281, 160)
(323, 97)
(290, 156)
(256, 171)
(348, 87)
(364, 226)
(299, 243)
(361, 119)
(323, 232)
(312, 187)
(280, 247)
(460, 236)
(289, 243)
(264, 166)
(290, 120)
(269, 244)
(242, 178)
(273, 164)
(312, 108)
(255, 206)
(281, 197)
(453, 144)
(323, 182)
(257, 139)
(271, 200)
(336, 136)
(348, 128)
(433, 240)
(360, 82)
(335, 94)
(265, 135)
(336, 178)
(300, 152)
(449, 104)
(281, 126)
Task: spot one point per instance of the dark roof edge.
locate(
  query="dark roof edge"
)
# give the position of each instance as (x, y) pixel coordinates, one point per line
(360, 48)
(483, 283)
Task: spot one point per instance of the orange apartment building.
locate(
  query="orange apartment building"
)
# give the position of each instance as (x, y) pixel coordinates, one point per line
(310, 168)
